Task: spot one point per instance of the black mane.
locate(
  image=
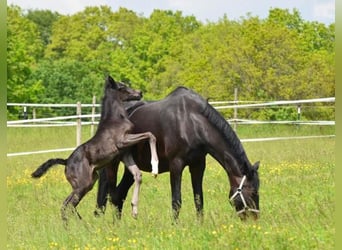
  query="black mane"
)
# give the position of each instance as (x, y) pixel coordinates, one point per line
(216, 119)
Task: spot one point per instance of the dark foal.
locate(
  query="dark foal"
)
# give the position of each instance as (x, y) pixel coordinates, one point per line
(187, 128)
(112, 140)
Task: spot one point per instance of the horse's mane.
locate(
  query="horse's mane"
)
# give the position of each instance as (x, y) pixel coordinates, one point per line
(216, 119)
(103, 110)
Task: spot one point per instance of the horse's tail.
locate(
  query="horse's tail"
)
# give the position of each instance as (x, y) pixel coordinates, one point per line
(46, 165)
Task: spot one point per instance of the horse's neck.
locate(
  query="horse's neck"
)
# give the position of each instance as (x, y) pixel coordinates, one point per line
(233, 160)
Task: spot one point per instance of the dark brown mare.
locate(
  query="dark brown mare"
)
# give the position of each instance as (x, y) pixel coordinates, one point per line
(112, 139)
(187, 128)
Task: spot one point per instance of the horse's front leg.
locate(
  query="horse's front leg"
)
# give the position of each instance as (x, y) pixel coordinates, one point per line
(135, 171)
(119, 196)
(132, 139)
(106, 185)
(176, 170)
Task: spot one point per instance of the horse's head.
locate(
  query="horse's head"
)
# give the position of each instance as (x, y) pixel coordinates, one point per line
(124, 92)
(245, 195)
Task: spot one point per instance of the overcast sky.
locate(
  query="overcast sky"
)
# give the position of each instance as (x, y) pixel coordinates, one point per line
(204, 10)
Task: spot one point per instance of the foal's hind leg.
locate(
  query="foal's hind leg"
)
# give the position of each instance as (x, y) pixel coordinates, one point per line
(72, 199)
(135, 171)
(82, 179)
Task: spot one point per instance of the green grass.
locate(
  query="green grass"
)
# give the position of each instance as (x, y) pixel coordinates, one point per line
(296, 199)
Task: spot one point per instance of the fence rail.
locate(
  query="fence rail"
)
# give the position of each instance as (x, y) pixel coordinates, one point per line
(244, 121)
(242, 140)
(61, 121)
(52, 105)
(276, 103)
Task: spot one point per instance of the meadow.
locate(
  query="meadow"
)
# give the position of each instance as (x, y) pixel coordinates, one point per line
(297, 199)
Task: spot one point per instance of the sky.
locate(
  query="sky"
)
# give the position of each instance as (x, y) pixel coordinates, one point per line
(204, 10)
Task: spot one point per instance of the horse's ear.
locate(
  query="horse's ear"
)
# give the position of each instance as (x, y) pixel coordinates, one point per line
(256, 165)
(110, 82)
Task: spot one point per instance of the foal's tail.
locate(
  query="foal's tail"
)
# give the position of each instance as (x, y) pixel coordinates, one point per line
(46, 165)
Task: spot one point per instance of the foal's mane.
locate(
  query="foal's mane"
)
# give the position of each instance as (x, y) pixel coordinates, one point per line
(108, 98)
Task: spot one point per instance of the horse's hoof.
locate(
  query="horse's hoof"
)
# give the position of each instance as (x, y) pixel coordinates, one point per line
(98, 213)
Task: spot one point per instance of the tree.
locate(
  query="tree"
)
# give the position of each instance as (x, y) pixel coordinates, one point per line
(279, 57)
(151, 45)
(24, 47)
(44, 19)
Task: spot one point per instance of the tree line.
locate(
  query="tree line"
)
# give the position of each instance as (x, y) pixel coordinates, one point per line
(54, 58)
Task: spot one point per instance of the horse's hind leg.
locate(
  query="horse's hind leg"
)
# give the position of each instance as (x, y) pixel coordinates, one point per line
(196, 171)
(135, 171)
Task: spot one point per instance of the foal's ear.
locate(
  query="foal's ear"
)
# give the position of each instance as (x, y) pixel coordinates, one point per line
(110, 82)
(256, 165)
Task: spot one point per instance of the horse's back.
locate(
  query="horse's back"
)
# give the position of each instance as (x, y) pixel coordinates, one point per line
(173, 121)
(161, 114)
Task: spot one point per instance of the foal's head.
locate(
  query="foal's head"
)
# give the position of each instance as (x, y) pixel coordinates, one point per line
(245, 196)
(123, 92)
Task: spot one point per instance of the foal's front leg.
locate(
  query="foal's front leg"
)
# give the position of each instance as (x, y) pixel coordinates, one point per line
(135, 171)
(132, 139)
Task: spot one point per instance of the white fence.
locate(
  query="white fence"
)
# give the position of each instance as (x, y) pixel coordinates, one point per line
(62, 120)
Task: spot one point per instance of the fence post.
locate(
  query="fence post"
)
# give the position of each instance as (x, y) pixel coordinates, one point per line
(25, 113)
(92, 126)
(235, 109)
(298, 114)
(34, 113)
(78, 126)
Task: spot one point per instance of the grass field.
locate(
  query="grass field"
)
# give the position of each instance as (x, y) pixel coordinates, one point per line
(297, 198)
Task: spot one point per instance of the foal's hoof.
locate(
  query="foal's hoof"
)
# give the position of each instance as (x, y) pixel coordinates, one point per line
(134, 212)
(135, 215)
(155, 168)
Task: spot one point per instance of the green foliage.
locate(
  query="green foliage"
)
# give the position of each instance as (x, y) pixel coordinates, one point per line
(44, 20)
(24, 47)
(63, 58)
(68, 81)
